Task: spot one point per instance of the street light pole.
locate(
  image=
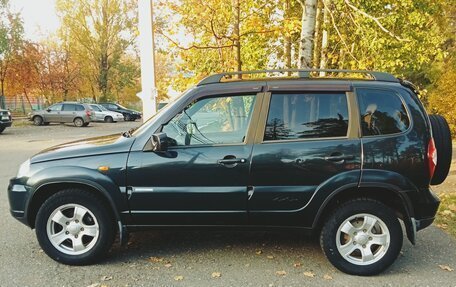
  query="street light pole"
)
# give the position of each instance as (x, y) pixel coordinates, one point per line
(146, 45)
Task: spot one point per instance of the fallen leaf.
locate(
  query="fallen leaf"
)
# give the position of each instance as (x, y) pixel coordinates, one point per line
(281, 273)
(216, 275)
(258, 252)
(270, 257)
(247, 265)
(309, 274)
(106, 278)
(169, 265)
(297, 264)
(155, 259)
(327, 277)
(444, 226)
(452, 207)
(179, 278)
(447, 212)
(446, 268)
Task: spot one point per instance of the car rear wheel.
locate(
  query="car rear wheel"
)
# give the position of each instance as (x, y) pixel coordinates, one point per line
(74, 227)
(442, 139)
(2, 129)
(362, 237)
(78, 122)
(37, 120)
(109, 119)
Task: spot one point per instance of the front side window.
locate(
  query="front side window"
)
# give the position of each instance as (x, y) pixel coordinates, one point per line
(215, 120)
(95, 108)
(303, 116)
(382, 112)
(56, 107)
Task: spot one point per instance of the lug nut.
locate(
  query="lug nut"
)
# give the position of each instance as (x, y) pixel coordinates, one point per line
(67, 223)
(364, 230)
(76, 221)
(66, 232)
(354, 233)
(370, 238)
(354, 242)
(76, 236)
(364, 245)
(82, 228)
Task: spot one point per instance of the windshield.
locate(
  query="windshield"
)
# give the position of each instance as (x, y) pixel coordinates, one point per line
(122, 107)
(145, 125)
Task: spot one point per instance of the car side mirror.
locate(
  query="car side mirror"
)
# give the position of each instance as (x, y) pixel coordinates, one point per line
(158, 143)
(48, 110)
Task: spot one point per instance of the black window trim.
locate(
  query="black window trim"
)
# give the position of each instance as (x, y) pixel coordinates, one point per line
(410, 127)
(350, 114)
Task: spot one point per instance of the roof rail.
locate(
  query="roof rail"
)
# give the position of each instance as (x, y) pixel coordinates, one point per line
(302, 73)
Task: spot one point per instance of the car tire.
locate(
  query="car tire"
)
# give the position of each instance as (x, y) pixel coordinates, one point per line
(78, 122)
(45, 123)
(37, 120)
(75, 227)
(109, 119)
(2, 129)
(367, 232)
(442, 139)
(86, 124)
(127, 117)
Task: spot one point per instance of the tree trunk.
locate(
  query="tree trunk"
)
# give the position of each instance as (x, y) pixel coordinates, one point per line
(324, 38)
(317, 37)
(287, 46)
(236, 32)
(307, 32)
(103, 78)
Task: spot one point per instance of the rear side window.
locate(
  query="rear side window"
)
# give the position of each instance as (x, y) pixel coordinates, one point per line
(69, 107)
(303, 116)
(382, 112)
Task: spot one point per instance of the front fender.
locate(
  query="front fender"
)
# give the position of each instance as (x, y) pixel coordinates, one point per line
(77, 175)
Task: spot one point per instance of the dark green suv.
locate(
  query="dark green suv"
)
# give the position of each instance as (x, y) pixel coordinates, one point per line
(346, 157)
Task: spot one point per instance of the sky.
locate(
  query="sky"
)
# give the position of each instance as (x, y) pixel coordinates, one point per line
(39, 17)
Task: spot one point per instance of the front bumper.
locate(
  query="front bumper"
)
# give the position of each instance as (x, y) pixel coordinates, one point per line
(6, 124)
(18, 196)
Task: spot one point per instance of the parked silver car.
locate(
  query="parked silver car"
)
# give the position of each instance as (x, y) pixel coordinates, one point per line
(101, 114)
(66, 112)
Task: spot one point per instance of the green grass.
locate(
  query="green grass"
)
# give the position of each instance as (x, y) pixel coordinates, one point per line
(446, 215)
(21, 123)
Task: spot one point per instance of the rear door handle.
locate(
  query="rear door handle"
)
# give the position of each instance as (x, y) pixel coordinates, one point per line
(339, 157)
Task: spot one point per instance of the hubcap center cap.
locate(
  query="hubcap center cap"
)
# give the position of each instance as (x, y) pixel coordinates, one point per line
(74, 228)
(362, 238)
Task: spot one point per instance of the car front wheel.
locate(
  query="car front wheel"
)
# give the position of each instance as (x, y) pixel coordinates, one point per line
(362, 237)
(74, 227)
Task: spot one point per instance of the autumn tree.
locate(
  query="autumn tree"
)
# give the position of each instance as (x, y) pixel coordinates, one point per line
(101, 32)
(11, 36)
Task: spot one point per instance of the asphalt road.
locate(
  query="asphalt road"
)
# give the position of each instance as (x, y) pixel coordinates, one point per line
(159, 258)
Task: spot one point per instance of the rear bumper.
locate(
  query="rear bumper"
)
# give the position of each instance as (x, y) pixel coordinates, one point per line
(425, 205)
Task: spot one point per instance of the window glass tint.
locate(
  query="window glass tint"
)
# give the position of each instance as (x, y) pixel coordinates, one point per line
(57, 107)
(69, 107)
(382, 112)
(217, 120)
(301, 116)
(80, 108)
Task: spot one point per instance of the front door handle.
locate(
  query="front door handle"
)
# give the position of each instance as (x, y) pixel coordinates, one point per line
(230, 161)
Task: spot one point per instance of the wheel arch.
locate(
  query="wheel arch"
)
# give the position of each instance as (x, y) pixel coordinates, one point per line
(44, 191)
(388, 195)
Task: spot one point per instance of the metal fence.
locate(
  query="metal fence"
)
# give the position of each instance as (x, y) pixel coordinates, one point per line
(22, 105)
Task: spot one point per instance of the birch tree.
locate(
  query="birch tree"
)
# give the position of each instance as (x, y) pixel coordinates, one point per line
(309, 8)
